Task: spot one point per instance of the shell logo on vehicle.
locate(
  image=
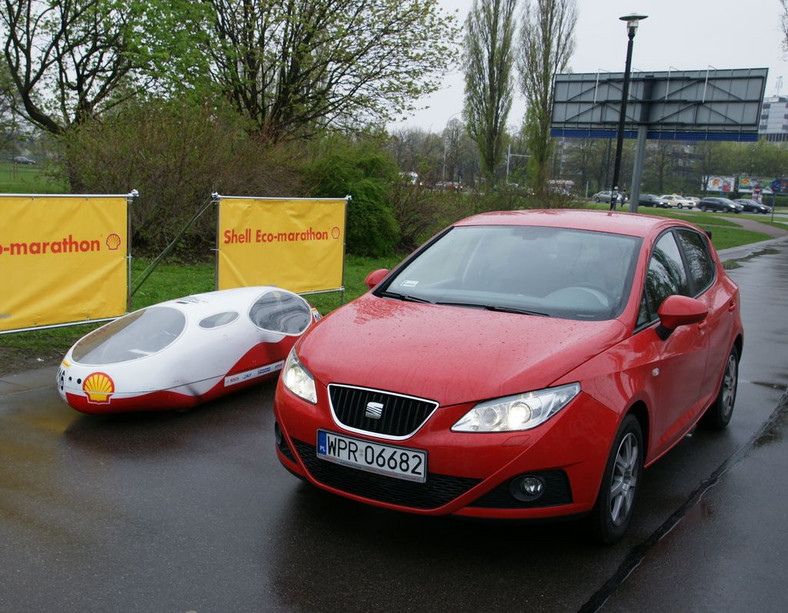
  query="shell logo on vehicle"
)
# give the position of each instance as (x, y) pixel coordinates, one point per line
(113, 242)
(98, 387)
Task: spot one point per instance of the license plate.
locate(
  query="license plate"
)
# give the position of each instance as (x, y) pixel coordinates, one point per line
(389, 460)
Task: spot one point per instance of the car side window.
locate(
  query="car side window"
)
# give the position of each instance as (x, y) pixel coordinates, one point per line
(701, 265)
(666, 276)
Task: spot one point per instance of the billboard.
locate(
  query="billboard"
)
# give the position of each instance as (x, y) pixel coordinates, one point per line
(63, 259)
(297, 244)
(695, 105)
(719, 184)
(755, 185)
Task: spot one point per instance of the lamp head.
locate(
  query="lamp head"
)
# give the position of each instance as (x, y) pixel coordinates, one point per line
(632, 21)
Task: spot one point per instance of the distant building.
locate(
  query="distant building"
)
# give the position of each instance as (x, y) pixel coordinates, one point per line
(774, 119)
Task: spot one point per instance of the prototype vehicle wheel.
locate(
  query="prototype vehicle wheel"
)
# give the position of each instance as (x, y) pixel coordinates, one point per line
(615, 502)
(719, 413)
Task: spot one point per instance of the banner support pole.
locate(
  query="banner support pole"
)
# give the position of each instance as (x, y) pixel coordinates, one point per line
(129, 202)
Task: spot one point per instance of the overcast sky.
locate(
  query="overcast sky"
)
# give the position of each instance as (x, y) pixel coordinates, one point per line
(678, 34)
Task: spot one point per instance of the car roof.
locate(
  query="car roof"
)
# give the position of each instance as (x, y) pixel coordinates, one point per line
(631, 224)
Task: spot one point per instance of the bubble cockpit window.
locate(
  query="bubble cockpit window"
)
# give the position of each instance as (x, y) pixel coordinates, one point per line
(134, 336)
(281, 312)
(219, 319)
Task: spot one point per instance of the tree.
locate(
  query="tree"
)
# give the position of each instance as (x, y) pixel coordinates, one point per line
(546, 45)
(488, 58)
(362, 169)
(784, 23)
(72, 60)
(294, 67)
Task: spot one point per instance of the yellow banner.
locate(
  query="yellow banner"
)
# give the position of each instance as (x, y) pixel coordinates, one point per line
(62, 259)
(295, 244)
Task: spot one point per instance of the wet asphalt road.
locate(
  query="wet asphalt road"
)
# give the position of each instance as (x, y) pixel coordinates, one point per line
(192, 512)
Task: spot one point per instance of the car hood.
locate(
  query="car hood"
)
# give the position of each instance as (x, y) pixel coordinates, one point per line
(448, 354)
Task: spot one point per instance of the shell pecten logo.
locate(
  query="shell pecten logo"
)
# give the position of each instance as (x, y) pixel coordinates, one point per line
(113, 242)
(98, 387)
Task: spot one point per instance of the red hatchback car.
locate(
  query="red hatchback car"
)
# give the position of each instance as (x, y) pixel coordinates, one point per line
(520, 364)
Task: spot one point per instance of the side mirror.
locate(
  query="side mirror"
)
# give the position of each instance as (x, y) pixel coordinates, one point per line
(678, 311)
(375, 277)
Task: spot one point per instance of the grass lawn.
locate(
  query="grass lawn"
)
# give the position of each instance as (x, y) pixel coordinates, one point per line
(23, 350)
(28, 179)
(35, 348)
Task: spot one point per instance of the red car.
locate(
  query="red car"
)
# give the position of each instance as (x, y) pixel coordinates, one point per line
(519, 365)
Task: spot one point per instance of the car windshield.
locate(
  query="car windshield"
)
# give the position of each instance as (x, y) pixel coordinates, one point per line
(554, 272)
(134, 336)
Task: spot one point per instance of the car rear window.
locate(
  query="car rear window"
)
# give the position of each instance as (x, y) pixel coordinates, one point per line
(281, 312)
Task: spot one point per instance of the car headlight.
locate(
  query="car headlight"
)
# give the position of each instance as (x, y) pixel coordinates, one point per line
(298, 379)
(521, 412)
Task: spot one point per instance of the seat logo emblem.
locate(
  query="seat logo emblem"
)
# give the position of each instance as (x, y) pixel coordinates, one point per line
(374, 410)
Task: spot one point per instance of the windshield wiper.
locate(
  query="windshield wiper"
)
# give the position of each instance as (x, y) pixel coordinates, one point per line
(405, 297)
(493, 307)
(506, 309)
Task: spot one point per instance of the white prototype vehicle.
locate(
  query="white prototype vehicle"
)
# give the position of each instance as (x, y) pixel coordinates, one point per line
(180, 353)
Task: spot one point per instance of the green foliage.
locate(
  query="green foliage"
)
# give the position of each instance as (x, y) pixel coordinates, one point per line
(488, 58)
(546, 44)
(362, 170)
(294, 68)
(175, 155)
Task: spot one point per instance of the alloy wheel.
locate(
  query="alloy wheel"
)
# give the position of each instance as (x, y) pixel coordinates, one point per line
(729, 382)
(625, 478)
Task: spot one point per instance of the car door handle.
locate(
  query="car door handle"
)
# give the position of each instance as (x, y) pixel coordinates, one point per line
(732, 305)
(702, 326)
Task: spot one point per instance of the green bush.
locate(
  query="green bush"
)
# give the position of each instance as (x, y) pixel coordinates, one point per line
(175, 155)
(365, 172)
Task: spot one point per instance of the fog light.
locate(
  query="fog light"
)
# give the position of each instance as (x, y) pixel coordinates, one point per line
(532, 486)
(527, 488)
(278, 435)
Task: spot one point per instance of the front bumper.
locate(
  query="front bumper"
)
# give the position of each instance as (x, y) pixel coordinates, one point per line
(471, 474)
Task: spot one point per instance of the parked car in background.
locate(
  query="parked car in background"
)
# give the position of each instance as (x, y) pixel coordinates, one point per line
(724, 205)
(521, 365)
(753, 206)
(21, 159)
(678, 202)
(653, 200)
(606, 196)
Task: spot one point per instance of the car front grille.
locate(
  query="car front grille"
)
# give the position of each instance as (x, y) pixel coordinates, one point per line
(437, 491)
(400, 416)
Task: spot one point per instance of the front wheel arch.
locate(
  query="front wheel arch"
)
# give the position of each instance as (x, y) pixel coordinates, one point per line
(613, 510)
(718, 415)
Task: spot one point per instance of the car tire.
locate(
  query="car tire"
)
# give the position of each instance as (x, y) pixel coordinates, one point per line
(719, 413)
(612, 512)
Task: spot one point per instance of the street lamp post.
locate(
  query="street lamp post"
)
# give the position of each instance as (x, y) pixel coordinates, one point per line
(632, 27)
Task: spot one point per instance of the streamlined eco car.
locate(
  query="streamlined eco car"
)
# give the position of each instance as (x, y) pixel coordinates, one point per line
(518, 365)
(179, 353)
